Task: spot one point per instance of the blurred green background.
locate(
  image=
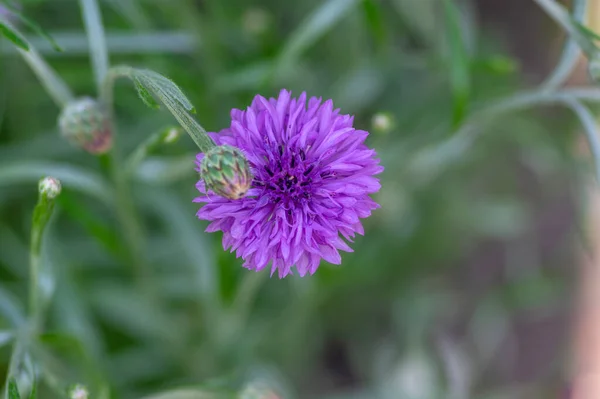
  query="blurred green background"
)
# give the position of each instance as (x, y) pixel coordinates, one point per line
(460, 287)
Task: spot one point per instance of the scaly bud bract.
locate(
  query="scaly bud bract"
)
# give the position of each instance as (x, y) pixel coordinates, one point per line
(225, 171)
(85, 123)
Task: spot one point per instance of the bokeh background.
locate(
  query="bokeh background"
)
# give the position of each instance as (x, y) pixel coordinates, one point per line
(462, 286)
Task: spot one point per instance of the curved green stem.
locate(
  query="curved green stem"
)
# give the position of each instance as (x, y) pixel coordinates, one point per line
(433, 159)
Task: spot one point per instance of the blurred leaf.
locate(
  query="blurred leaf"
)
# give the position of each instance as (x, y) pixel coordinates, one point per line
(186, 231)
(11, 308)
(125, 310)
(92, 222)
(166, 170)
(459, 62)
(14, 36)
(374, 16)
(13, 389)
(6, 337)
(33, 391)
(71, 177)
(312, 29)
(34, 27)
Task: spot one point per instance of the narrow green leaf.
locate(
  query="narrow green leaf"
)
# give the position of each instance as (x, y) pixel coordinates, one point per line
(160, 84)
(375, 22)
(459, 62)
(145, 95)
(587, 31)
(33, 392)
(34, 27)
(14, 36)
(13, 389)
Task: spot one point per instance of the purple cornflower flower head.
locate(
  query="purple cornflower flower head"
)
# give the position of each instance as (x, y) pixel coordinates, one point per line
(312, 176)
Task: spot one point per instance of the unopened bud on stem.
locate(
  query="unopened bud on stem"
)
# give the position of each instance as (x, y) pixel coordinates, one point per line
(225, 171)
(85, 123)
(50, 187)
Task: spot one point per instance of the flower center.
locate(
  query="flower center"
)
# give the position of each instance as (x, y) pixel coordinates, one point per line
(287, 178)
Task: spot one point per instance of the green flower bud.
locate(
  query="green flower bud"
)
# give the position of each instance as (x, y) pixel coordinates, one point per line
(225, 171)
(594, 69)
(85, 123)
(50, 187)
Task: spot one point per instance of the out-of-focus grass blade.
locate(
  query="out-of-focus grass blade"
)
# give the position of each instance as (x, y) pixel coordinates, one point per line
(14, 36)
(34, 27)
(93, 223)
(33, 392)
(588, 32)
(459, 62)
(6, 337)
(312, 29)
(375, 22)
(27, 172)
(11, 309)
(13, 389)
(194, 244)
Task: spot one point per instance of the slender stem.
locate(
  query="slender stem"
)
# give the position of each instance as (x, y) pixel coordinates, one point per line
(96, 38)
(54, 85)
(570, 54)
(558, 13)
(434, 159)
(48, 190)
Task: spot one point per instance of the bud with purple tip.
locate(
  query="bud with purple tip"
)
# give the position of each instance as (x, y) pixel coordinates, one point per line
(226, 172)
(86, 124)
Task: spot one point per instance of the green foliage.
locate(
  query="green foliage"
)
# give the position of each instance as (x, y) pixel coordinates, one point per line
(14, 36)
(462, 274)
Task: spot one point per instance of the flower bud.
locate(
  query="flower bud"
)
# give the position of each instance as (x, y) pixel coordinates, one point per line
(85, 123)
(382, 122)
(50, 187)
(78, 391)
(225, 171)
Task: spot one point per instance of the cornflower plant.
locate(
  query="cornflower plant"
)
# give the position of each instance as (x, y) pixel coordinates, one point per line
(287, 183)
